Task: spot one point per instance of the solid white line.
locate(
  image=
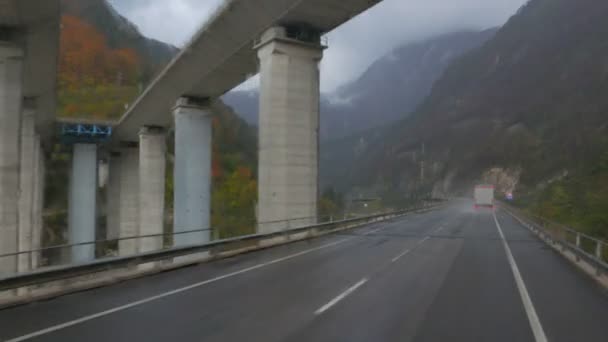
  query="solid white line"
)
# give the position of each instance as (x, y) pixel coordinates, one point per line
(170, 293)
(537, 328)
(341, 296)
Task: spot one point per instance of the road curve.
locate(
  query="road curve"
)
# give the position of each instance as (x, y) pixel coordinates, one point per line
(446, 275)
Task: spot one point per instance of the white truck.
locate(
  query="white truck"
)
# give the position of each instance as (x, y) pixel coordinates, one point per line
(484, 196)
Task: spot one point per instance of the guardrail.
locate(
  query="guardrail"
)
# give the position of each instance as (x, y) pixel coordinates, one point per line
(104, 251)
(583, 246)
(214, 248)
(37, 253)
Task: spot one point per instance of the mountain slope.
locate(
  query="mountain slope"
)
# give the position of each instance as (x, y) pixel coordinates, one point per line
(104, 60)
(395, 84)
(529, 106)
(246, 103)
(387, 91)
(121, 33)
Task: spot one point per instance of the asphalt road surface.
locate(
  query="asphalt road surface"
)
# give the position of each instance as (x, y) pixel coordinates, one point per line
(445, 275)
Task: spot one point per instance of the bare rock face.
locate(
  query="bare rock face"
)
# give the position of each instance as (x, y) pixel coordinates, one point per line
(444, 187)
(504, 179)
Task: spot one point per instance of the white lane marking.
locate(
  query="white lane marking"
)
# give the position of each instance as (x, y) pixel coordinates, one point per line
(375, 230)
(341, 296)
(438, 230)
(404, 253)
(400, 255)
(537, 328)
(170, 293)
(423, 240)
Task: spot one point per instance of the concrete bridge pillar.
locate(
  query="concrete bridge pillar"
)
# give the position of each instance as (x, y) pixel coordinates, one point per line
(11, 93)
(27, 185)
(192, 174)
(38, 201)
(123, 198)
(82, 215)
(152, 168)
(113, 196)
(288, 128)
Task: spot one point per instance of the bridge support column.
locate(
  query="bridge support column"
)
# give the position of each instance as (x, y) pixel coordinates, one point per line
(152, 167)
(38, 206)
(27, 184)
(82, 216)
(192, 174)
(127, 197)
(113, 196)
(11, 92)
(288, 130)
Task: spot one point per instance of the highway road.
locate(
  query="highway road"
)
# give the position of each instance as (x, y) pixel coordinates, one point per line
(445, 275)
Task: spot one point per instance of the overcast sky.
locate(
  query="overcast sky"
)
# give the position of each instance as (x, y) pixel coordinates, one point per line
(355, 45)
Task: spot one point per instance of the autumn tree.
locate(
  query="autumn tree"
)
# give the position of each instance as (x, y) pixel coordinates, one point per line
(95, 81)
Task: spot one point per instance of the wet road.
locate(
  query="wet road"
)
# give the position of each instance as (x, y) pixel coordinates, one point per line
(444, 275)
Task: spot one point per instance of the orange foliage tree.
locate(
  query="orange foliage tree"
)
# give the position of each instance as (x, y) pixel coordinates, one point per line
(94, 79)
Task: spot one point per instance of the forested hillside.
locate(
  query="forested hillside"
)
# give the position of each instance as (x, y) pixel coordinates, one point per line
(385, 93)
(95, 80)
(120, 33)
(528, 108)
(394, 85)
(104, 61)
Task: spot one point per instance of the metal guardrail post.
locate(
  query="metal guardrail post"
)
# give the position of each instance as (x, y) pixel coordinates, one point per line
(542, 234)
(543, 230)
(599, 256)
(578, 245)
(287, 229)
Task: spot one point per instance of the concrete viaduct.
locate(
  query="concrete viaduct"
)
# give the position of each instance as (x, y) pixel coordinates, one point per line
(29, 44)
(280, 39)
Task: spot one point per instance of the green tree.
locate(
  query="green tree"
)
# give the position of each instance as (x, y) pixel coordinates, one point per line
(233, 204)
(331, 205)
